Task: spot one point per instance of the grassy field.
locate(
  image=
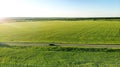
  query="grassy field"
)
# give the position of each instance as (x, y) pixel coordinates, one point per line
(76, 32)
(61, 32)
(58, 57)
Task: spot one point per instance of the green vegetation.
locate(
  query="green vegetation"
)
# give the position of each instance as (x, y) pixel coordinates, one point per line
(14, 56)
(58, 31)
(18, 19)
(81, 32)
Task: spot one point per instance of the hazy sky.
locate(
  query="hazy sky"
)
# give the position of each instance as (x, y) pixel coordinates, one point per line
(59, 8)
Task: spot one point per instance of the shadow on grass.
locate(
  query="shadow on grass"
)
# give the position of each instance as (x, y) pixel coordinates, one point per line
(53, 44)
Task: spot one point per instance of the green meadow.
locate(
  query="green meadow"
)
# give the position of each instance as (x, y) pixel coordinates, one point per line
(16, 56)
(70, 32)
(85, 32)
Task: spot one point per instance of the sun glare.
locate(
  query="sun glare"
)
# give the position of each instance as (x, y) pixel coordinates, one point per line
(2, 19)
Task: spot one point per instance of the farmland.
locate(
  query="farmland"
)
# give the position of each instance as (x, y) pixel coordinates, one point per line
(78, 43)
(14, 56)
(70, 32)
(59, 33)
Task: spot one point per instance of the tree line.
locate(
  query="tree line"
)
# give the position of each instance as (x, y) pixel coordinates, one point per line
(62, 18)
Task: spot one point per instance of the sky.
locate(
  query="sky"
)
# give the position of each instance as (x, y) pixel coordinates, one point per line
(59, 8)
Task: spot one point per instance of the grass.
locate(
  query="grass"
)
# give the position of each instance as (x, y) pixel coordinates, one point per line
(50, 32)
(13, 56)
(79, 32)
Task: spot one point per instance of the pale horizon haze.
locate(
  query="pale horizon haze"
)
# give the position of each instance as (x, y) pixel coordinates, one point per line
(59, 8)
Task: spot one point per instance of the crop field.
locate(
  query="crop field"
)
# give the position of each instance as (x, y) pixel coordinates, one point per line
(70, 32)
(83, 43)
(16, 56)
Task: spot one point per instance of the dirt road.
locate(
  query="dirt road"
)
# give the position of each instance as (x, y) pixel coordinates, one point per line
(70, 45)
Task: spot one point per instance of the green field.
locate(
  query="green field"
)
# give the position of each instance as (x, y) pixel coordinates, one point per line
(11, 56)
(60, 32)
(74, 32)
